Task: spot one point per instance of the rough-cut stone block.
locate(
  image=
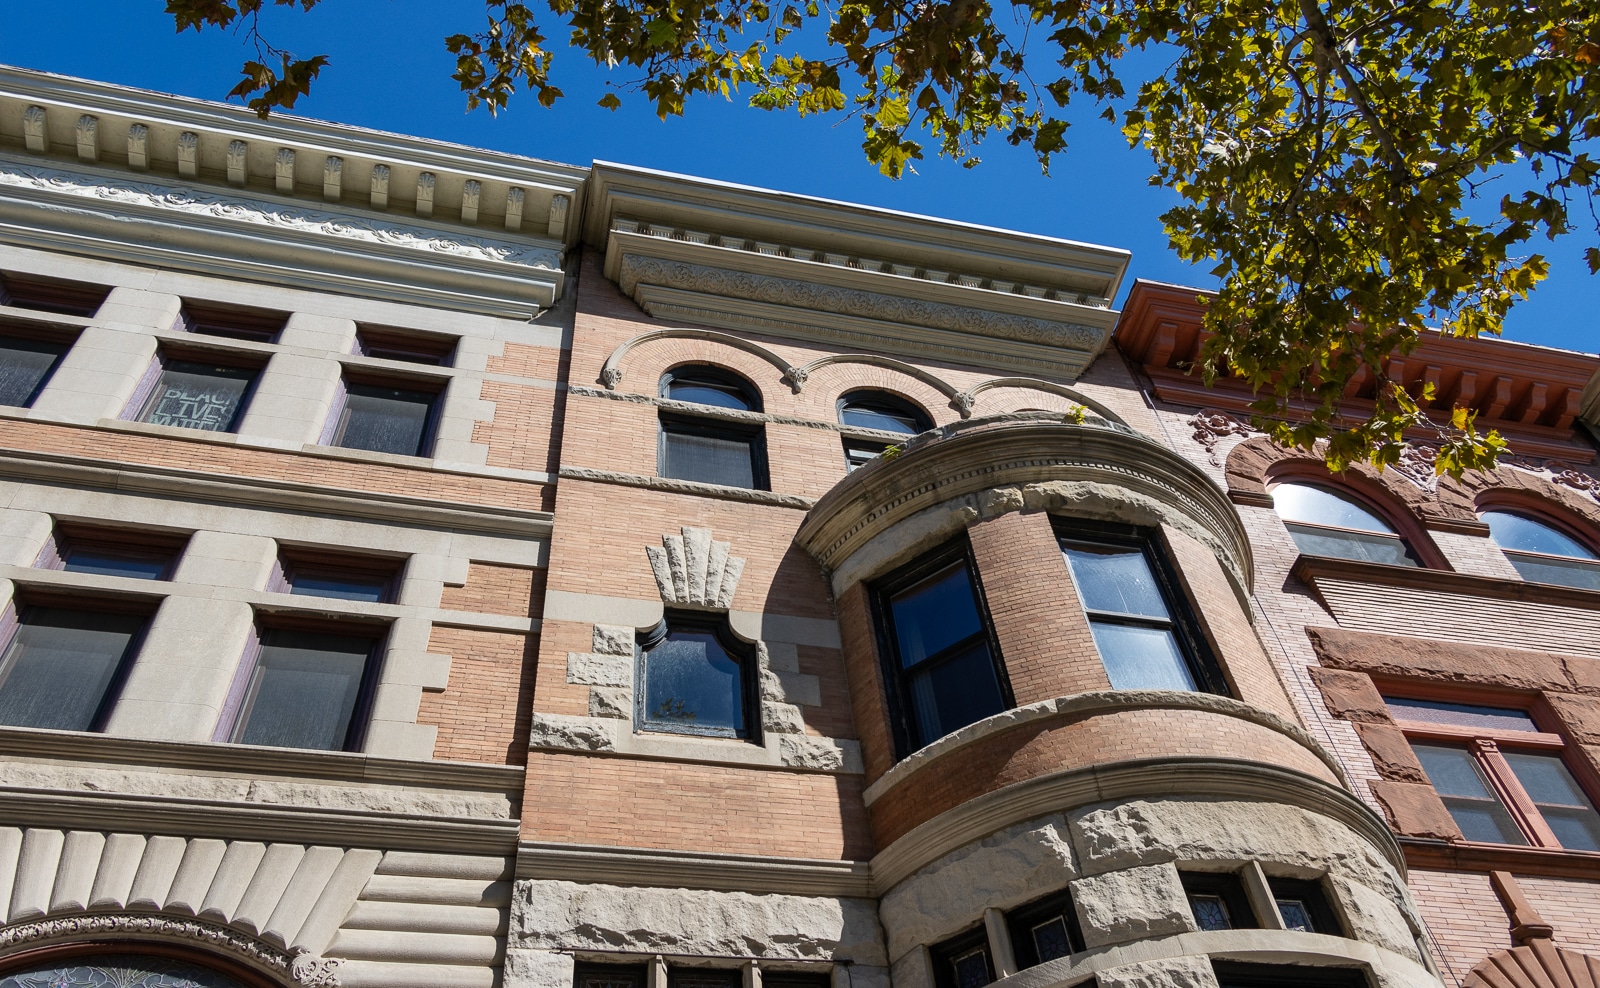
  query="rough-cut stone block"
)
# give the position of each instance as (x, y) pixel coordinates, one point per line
(1580, 714)
(1131, 904)
(609, 701)
(1391, 753)
(782, 656)
(1440, 661)
(569, 733)
(537, 969)
(1013, 866)
(1171, 972)
(820, 754)
(613, 639)
(781, 718)
(599, 670)
(1376, 920)
(912, 970)
(1415, 810)
(1351, 695)
(549, 915)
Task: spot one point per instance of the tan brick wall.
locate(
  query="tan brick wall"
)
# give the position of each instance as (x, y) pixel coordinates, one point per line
(525, 360)
(515, 591)
(521, 434)
(868, 700)
(482, 714)
(1465, 919)
(1045, 640)
(1570, 905)
(634, 803)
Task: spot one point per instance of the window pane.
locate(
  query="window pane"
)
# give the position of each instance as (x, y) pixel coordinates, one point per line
(707, 459)
(1115, 579)
(1050, 939)
(1476, 809)
(1319, 506)
(1210, 912)
(192, 395)
(1295, 915)
(24, 367)
(951, 694)
(934, 614)
(704, 391)
(1512, 531)
(859, 455)
(869, 416)
(1565, 806)
(1461, 714)
(1562, 572)
(1137, 657)
(971, 969)
(340, 586)
(304, 689)
(117, 971)
(59, 665)
(691, 682)
(109, 562)
(1351, 545)
(385, 420)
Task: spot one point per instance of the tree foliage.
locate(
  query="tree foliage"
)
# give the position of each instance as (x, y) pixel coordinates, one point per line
(1358, 173)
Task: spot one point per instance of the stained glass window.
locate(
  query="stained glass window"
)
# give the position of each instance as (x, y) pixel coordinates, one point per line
(118, 971)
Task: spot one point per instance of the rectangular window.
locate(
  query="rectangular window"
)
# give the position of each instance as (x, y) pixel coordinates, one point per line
(25, 366)
(711, 452)
(859, 452)
(1303, 906)
(1502, 779)
(306, 689)
(702, 977)
(385, 419)
(231, 322)
(63, 665)
(1145, 642)
(413, 348)
(1044, 930)
(96, 551)
(304, 573)
(194, 394)
(1218, 900)
(937, 637)
(1240, 974)
(609, 976)
(963, 961)
(67, 298)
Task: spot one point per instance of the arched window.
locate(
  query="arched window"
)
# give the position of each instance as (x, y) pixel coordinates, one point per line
(882, 412)
(125, 970)
(1541, 552)
(695, 677)
(711, 448)
(1327, 523)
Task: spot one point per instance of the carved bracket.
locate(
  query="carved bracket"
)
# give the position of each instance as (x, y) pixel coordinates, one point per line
(692, 569)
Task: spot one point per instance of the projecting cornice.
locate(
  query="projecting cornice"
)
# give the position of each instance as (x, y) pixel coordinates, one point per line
(200, 186)
(744, 259)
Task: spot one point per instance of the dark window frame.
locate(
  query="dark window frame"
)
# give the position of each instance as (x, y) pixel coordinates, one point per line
(339, 415)
(296, 560)
(28, 598)
(66, 537)
(1313, 892)
(1183, 616)
(885, 400)
(1407, 541)
(1021, 921)
(1244, 974)
(741, 651)
(1225, 885)
(1550, 521)
(678, 974)
(234, 718)
(943, 955)
(892, 671)
(60, 296)
(230, 322)
(753, 435)
(640, 972)
(407, 346)
(719, 378)
(144, 396)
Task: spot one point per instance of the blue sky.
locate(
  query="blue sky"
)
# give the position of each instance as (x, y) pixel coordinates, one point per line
(390, 71)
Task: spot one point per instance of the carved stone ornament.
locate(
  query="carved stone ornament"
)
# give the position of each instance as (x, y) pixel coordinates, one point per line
(1212, 426)
(303, 969)
(1578, 481)
(255, 212)
(853, 302)
(1416, 465)
(692, 569)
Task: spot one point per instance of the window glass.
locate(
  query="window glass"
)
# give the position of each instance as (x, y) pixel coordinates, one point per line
(1217, 900)
(704, 386)
(1044, 930)
(1210, 912)
(385, 420)
(1115, 579)
(934, 614)
(707, 455)
(1314, 541)
(692, 684)
(1460, 714)
(859, 452)
(1303, 906)
(1522, 534)
(962, 962)
(954, 692)
(971, 969)
(25, 366)
(193, 395)
(309, 582)
(303, 690)
(105, 561)
(1477, 810)
(883, 411)
(119, 970)
(1564, 806)
(1141, 658)
(1320, 506)
(60, 665)
(1116, 583)
(609, 976)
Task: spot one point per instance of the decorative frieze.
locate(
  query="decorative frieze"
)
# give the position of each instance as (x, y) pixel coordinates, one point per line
(238, 163)
(33, 129)
(559, 207)
(283, 170)
(514, 200)
(471, 194)
(188, 154)
(332, 177)
(87, 134)
(425, 184)
(138, 146)
(379, 195)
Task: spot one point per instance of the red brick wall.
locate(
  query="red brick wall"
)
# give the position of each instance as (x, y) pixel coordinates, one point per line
(1464, 918)
(483, 712)
(868, 700)
(515, 591)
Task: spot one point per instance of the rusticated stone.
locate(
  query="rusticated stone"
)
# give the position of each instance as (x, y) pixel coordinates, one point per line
(1171, 972)
(611, 702)
(819, 754)
(551, 915)
(1415, 810)
(781, 718)
(1579, 714)
(537, 969)
(613, 639)
(569, 733)
(1013, 866)
(599, 670)
(1376, 920)
(1350, 695)
(1391, 752)
(1440, 661)
(1131, 904)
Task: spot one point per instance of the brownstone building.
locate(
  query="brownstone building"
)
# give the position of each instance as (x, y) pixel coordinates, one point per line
(424, 566)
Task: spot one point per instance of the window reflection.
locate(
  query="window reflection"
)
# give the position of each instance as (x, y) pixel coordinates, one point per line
(693, 682)
(1326, 523)
(1541, 553)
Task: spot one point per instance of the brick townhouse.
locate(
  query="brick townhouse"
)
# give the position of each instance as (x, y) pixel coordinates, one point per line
(425, 566)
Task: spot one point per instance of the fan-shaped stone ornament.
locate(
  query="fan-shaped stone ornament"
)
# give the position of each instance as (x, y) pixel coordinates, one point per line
(1539, 964)
(692, 569)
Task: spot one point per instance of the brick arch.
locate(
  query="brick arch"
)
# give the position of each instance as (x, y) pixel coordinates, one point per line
(1505, 487)
(826, 383)
(648, 357)
(1256, 463)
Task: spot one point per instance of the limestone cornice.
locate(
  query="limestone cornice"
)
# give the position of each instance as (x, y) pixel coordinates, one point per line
(988, 466)
(692, 869)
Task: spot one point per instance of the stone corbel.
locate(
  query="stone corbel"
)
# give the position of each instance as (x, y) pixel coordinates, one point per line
(692, 569)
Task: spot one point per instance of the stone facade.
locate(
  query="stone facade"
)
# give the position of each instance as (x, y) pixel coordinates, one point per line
(512, 806)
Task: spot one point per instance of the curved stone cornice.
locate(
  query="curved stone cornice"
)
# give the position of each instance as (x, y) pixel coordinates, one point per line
(985, 467)
(1080, 706)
